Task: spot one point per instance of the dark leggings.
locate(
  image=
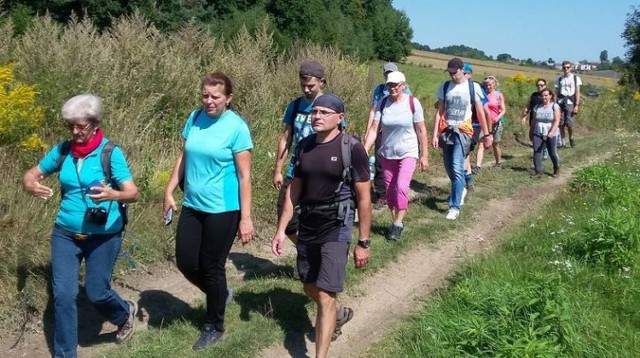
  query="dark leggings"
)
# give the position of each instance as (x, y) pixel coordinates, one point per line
(539, 142)
(203, 242)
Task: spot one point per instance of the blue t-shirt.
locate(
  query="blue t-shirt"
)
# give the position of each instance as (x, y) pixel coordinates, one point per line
(211, 181)
(75, 177)
(301, 126)
(381, 91)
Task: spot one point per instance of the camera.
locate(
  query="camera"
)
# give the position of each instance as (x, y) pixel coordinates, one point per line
(96, 216)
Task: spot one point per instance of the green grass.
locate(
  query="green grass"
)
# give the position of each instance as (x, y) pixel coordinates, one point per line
(562, 283)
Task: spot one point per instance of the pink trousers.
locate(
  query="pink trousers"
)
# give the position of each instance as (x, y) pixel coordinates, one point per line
(397, 177)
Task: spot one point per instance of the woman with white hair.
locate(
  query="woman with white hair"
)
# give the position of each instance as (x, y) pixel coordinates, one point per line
(90, 221)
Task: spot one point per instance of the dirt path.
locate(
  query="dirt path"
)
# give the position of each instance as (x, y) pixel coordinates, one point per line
(382, 300)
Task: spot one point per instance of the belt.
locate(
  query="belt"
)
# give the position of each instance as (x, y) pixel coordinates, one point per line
(76, 235)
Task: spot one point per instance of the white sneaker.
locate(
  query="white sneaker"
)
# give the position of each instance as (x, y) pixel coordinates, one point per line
(453, 214)
(464, 194)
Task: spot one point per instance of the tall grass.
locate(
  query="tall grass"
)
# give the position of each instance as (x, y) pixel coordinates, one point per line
(149, 82)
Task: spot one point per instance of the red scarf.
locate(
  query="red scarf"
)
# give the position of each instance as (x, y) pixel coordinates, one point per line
(81, 150)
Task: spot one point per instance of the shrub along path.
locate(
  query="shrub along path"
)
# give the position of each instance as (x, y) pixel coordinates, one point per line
(381, 298)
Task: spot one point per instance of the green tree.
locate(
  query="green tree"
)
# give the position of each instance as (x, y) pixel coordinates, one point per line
(631, 35)
(604, 56)
(504, 57)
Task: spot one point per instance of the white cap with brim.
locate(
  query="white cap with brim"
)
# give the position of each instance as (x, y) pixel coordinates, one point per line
(396, 77)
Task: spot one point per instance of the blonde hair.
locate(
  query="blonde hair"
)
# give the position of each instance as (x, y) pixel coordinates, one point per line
(491, 79)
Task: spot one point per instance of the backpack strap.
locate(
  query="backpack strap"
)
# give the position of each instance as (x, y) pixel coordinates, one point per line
(345, 148)
(105, 162)
(294, 113)
(64, 150)
(412, 105)
(472, 93)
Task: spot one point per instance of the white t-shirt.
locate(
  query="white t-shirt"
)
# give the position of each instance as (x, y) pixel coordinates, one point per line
(399, 137)
(457, 101)
(566, 86)
(543, 117)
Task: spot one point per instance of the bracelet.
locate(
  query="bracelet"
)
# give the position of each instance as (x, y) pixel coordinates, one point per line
(488, 135)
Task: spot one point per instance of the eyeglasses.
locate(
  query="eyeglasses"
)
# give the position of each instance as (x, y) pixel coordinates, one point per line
(321, 113)
(71, 127)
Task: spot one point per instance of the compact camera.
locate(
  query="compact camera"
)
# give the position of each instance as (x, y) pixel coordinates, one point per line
(96, 216)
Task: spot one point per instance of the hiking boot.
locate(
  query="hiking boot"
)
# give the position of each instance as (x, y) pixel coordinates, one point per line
(381, 203)
(556, 173)
(464, 194)
(572, 143)
(476, 169)
(536, 175)
(125, 330)
(347, 315)
(470, 187)
(453, 214)
(209, 336)
(394, 232)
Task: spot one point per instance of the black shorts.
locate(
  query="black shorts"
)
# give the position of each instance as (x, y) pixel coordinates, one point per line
(292, 226)
(325, 264)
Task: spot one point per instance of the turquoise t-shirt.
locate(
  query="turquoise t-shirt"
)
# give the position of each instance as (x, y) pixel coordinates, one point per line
(211, 180)
(75, 177)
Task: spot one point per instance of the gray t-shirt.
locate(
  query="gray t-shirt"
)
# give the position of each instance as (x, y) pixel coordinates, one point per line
(543, 117)
(399, 137)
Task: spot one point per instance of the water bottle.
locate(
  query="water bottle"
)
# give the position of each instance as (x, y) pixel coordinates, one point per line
(372, 167)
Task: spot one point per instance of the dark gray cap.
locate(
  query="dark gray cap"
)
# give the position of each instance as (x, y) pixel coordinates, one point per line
(312, 68)
(389, 67)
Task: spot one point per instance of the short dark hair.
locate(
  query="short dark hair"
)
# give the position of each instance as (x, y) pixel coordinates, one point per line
(541, 80)
(218, 78)
(566, 63)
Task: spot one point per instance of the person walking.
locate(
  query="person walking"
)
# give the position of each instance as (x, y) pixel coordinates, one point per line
(297, 125)
(543, 132)
(496, 108)
(534, 100)
(403, 146)
(327, 191)
(215, 167)
(568, 90)
(379, 92)
(453, 128)
(90, 221)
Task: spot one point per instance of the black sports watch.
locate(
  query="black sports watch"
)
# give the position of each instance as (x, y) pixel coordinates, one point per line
(365, 244)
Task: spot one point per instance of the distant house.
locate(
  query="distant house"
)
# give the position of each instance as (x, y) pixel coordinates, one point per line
(577, 66)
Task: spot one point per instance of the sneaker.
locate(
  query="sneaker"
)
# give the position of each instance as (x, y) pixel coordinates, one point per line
(296, 274)
(464, 194)
(470, 187)
(556, 173)
(545, 153)
(536, 175)
(125, 330)
(498, 165)
(476, 169)
(394, 232)
(572, 143)
(347, 315)
(381, 203)
(209, 336)
(453, 214)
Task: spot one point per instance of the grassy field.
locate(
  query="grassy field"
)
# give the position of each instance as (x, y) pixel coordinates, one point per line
(565, 283)
(146, 108)
(484, 68)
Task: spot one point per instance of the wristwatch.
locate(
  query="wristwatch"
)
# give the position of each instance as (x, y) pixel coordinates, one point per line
(365, 244)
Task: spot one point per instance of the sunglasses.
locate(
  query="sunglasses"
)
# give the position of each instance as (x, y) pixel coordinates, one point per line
(566, 67)
(540, 84)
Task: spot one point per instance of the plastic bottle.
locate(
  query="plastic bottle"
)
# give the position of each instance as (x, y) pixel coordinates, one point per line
(372, 167)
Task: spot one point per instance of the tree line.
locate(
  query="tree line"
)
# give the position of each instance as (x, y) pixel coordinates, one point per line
(369, 29)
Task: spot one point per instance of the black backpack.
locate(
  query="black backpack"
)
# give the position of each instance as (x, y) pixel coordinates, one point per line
(105, 162)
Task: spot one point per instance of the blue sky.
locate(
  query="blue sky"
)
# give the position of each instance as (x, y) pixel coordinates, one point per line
(563, 30)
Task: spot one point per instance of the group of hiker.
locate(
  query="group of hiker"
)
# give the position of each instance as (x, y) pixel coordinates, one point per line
(325, 181)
